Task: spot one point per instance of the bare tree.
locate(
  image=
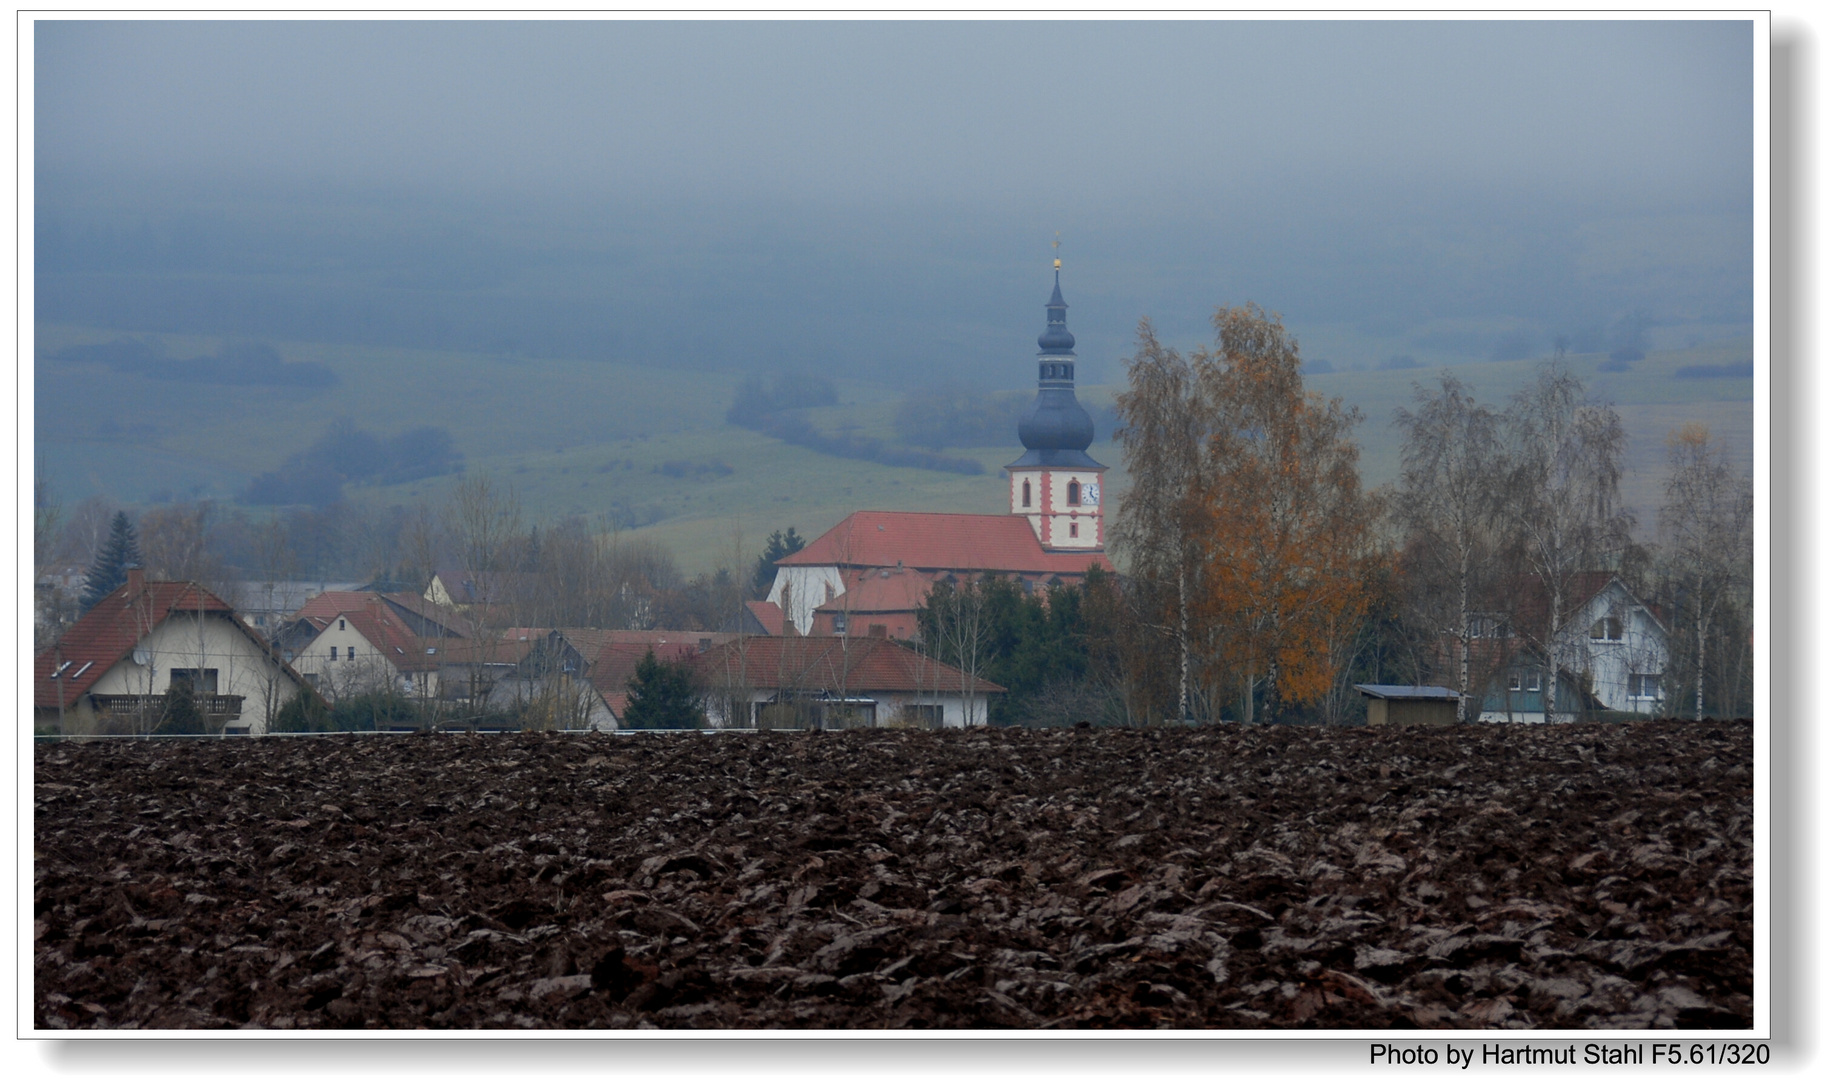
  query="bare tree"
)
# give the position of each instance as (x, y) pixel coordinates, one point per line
(1447, 504)
(1161, 519)
(177, 543)
(1564, 503)
(955, 630)
(1707, 526)
(484, 523)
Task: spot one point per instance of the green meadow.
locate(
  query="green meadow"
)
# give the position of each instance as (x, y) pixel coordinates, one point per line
(644, 449)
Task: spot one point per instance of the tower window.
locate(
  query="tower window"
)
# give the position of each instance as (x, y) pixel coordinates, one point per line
(1072, 493)
(1075, 528)
(1027, 494)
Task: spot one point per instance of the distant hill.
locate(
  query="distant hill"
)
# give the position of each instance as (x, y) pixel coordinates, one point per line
(647, 448)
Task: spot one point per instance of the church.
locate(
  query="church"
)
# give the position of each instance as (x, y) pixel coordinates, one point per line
(869, 575)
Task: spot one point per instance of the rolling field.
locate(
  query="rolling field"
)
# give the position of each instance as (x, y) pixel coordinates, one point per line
(645, 449)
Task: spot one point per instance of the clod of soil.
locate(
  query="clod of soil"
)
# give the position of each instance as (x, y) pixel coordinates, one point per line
(1474, 877)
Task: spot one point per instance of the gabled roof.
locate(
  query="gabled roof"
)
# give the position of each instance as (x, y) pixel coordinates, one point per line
(108, 632)
(484, 586)
(1533, 602)
(332, 603)
(966, 543)
(496, 651)
(820, 664)
(379, 624)
(769, 616)
(426, 617)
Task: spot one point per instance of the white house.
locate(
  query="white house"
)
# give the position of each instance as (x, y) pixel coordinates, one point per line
(110, 672)
(1612, 651)
(368, 648)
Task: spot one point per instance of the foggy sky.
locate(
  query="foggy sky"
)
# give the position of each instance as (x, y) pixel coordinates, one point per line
(882, 194)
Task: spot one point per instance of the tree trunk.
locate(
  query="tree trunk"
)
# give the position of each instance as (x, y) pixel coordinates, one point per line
(1699, 664)
(1181, 592)
(1462, 687)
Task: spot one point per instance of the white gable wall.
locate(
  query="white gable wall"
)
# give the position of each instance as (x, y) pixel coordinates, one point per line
(208, 640)
(801, 590)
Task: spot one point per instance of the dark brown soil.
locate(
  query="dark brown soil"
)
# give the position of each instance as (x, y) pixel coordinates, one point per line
(1570, 876)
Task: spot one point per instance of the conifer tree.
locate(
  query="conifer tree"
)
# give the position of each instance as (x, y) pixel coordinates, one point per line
(120, 551)
(661, 694)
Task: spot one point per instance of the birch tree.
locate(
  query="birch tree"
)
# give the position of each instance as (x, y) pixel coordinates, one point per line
(1564, 501)
(1447, 504)
(1161, 519)
(1707, 527)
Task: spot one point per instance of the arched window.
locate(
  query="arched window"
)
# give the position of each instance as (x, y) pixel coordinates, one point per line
(1027, 494)
(1072, 493)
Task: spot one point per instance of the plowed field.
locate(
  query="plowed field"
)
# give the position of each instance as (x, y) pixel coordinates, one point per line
(1476, 877)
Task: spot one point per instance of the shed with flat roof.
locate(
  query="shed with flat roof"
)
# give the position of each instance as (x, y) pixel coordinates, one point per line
(1387, 704)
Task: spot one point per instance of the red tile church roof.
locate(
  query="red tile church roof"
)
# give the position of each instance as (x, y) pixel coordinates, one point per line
(961, 542)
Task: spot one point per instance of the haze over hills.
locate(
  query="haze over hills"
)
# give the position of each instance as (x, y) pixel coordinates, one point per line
(645, 449)
(562, 246)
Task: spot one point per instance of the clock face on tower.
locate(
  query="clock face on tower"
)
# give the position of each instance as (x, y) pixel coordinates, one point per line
(1089, 496)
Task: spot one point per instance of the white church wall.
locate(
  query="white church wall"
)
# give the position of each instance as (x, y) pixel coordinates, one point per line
(801, 590)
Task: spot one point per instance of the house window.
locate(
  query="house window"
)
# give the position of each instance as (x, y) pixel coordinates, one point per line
(333, 655)
(840, 624)
(193, 681)
(1643, 686)
(1513, 682)
(1607, 629)
(341, 624)
(1532, 682)
(351, 652)
(1072, 493)
(1027, 494)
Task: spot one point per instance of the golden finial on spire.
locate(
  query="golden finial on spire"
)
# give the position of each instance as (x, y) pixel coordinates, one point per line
(1056, 251)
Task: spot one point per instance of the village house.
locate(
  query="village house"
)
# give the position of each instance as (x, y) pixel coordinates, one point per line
(270, 605)
(363, 647)
(110, 672)
(836, 682)
(1611, 650)
(875, 567)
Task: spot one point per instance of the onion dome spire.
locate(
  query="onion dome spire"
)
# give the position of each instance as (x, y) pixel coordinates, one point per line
(1058, 429)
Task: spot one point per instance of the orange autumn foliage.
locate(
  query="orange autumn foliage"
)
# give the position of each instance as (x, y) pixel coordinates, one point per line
(1289, 536)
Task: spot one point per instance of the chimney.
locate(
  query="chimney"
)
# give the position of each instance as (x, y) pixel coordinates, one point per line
(137, 580)
(788, 629)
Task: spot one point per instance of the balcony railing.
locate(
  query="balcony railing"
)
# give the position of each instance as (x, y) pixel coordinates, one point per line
(215, 706)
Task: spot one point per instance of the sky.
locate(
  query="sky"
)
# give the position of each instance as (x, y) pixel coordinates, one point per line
(880, 198)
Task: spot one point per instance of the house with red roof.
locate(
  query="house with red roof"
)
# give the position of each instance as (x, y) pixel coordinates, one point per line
(835, 682)
(363, 646)
(579, 675)
(874, 568)
(110, 672)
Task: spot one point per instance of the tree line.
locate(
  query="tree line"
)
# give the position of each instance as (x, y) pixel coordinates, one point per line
(1261, 580)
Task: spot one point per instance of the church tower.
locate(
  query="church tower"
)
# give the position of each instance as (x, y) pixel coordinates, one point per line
(1055, 484)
